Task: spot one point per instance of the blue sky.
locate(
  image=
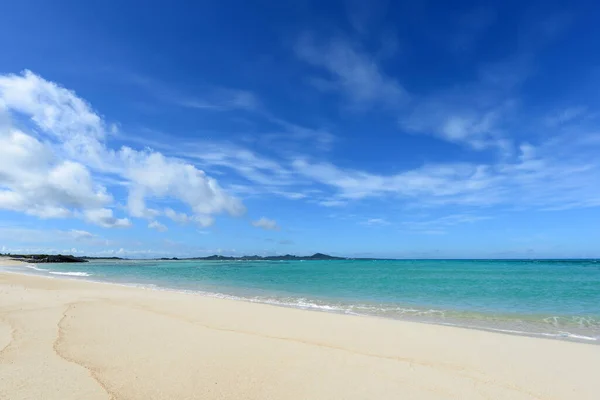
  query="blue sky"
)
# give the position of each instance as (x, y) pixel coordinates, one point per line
(380, 128)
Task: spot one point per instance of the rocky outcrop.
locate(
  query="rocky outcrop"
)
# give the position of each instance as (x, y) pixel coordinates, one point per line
(48, 258)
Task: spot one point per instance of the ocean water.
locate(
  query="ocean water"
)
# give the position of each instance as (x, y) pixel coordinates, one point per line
(549, 298)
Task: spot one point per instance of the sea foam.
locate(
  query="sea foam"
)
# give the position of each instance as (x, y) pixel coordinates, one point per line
(70, 273)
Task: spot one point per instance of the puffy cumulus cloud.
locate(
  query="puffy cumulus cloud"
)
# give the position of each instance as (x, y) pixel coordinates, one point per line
(38, 98)
(154, 175)
(59, 113)
(158, 226)
(182, 218)
(267, 224)
(52, 171)
(33, 180)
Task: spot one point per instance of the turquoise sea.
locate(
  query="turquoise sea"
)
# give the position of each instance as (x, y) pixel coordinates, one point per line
(549, 298)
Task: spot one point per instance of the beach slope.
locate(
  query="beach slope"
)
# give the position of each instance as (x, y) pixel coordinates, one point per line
(67, 339)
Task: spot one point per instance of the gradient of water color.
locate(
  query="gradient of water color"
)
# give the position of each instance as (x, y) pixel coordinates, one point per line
(550, 298)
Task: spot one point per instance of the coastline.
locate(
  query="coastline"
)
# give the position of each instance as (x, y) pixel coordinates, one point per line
(61, 338)
(541, 326)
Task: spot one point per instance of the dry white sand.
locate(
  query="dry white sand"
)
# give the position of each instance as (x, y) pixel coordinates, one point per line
(67, 339)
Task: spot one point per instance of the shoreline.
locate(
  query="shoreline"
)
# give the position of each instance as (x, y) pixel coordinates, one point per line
(561, 335)
(71, 339)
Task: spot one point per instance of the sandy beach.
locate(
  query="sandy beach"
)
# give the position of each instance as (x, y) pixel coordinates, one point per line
(68, 339)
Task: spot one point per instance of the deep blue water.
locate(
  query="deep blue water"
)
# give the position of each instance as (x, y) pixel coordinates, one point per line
(554, 298)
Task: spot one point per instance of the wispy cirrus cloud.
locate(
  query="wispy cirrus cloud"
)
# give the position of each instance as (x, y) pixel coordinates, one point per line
(475, 113)
(222, 100)
(65, 163)
(212, 99)
(218, 99)
(478, 114)
(551, 175)
(51, 237)
(440, 225)
(350, 71)
(322, 138)
(375, 222)
(565, 116)
(266, 223)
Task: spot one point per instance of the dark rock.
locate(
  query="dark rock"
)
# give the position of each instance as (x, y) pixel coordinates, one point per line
(49, 258)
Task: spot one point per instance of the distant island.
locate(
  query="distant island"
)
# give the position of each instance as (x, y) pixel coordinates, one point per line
(59, 258)
(287, 257)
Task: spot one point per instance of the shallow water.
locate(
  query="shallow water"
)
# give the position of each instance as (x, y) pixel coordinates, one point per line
(550, 298)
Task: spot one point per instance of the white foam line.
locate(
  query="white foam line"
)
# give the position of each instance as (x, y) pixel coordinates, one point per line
(36, 268)
(557, 335)
(302, 303)
(69, 273)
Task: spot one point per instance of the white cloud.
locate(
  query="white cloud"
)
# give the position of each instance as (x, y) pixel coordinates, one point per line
(550, 175)
(461, 119)
(32, 95)
(216, 99)
(81, 235)
(63, 166)
(479, 113)
(322, 138)
(33, 180)
(223, 100)
(158, 226)
(265, 223)
(54, 174)
(40, 250)
(431, 232)
(291, 195)
(104, 217)
(153, 175)
(352, 72)
(438, 226)
(548, 167)
(134, 253)
(475, 113)
(376, 222)
(333, 203)
(201, 219)
(182, 218)
(436, 180)
(566, 115)
(246, 163)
